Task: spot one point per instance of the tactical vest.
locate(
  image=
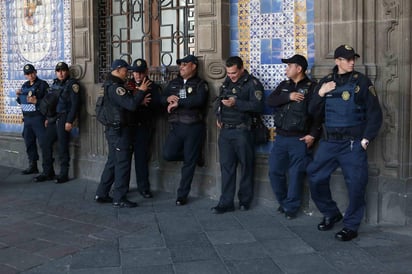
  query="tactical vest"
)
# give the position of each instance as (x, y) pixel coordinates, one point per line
(26, 90)
(293, 116)
(341, 109)
(231, 115)
(113, 112)
(185, 115)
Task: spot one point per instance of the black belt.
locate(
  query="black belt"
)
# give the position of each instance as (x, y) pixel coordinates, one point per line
(238, 126)
(340, 136)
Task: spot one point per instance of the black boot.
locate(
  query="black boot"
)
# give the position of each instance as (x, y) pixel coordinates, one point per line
(31, 169)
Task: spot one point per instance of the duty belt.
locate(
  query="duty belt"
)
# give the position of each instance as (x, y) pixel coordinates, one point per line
(238, 126)
(340, 136)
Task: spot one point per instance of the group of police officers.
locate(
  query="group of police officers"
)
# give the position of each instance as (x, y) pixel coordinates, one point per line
(343, 107)
(48, 116)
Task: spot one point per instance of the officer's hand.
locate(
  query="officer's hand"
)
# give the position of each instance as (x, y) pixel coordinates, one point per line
(147, 99)
(18, 92)
(219, 124)
(172, 106)
(68, 127)
(365, 143)
(32, 99)
(230, 102)
(46, 122)
(296, 96)
(144, 86)
(172, 98)
(308, 139)
(327, 87)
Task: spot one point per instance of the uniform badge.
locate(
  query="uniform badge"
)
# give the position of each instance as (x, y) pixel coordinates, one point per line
(234, 91)
(345, 95)
(120, 91)
(356, 76)
(27, 67)
(139, 63)
(189, 90)
(372, 90)
(76, 88)
(357, 89)
(258, 94)
(348, 47)
(30, 93)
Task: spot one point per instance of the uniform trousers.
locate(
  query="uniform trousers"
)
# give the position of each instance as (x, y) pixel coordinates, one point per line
(183, 143)
(141, 140)
(116, 171)
(33, 131)
(287, 169)
(236, 146)
(352, 158)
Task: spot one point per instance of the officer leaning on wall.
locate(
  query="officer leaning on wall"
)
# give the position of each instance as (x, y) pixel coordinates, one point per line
(346, 101)
(29, 98)
(142, 123)
(240, 98)
(186, 100)
(118, 101)
(60, 106)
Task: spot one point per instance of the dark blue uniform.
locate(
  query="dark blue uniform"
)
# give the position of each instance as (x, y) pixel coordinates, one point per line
(142, 125)
(33, 127)
(351, 112)
(289, 154)
(118, 102)
(187, 127)
(236, 139)
(65, 111)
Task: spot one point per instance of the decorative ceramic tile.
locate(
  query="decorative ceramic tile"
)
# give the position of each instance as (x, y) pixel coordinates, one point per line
(36, 32)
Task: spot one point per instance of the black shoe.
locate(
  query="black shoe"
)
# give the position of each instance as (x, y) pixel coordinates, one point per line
(244, 207)
(103, 200)
(181, 201)
(43, 177)
(328, 222)
(290, 215)
(61, 179)
(32, 169)
(222, 209)
(125, 203)
(146, 194)
(280, 210)
(346, 234)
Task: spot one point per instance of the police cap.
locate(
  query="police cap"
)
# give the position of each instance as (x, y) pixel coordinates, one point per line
(190, 58)
(28, 68)
(297, 59)
(346, 52)
(139, 65)
(119, 63)
(62, 66)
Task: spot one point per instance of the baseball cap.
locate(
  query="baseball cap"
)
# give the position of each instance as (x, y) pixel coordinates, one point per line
(62, 66)
(187, 59)
(139, 65)
(120, 63)
(297, 59)
(28, 68)
(346, 52)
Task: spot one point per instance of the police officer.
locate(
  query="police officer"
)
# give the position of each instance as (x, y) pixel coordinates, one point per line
(295, 135)
(29, 98)
(60, 106)
(142, 123)
(118, 101)
(186, 100)
(240, 95)
(346, 101)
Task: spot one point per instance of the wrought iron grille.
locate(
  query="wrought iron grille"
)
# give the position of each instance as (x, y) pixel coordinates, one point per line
(160, 31)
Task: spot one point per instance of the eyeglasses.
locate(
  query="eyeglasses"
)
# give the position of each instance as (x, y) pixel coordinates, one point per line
(347, 60)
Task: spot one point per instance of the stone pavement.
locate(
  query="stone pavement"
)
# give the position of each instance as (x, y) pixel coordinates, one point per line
(48, 228)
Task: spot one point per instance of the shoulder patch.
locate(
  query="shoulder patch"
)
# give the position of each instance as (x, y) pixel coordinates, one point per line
(372, 90)
(75, 88)
(258, 94)
(120, 91)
